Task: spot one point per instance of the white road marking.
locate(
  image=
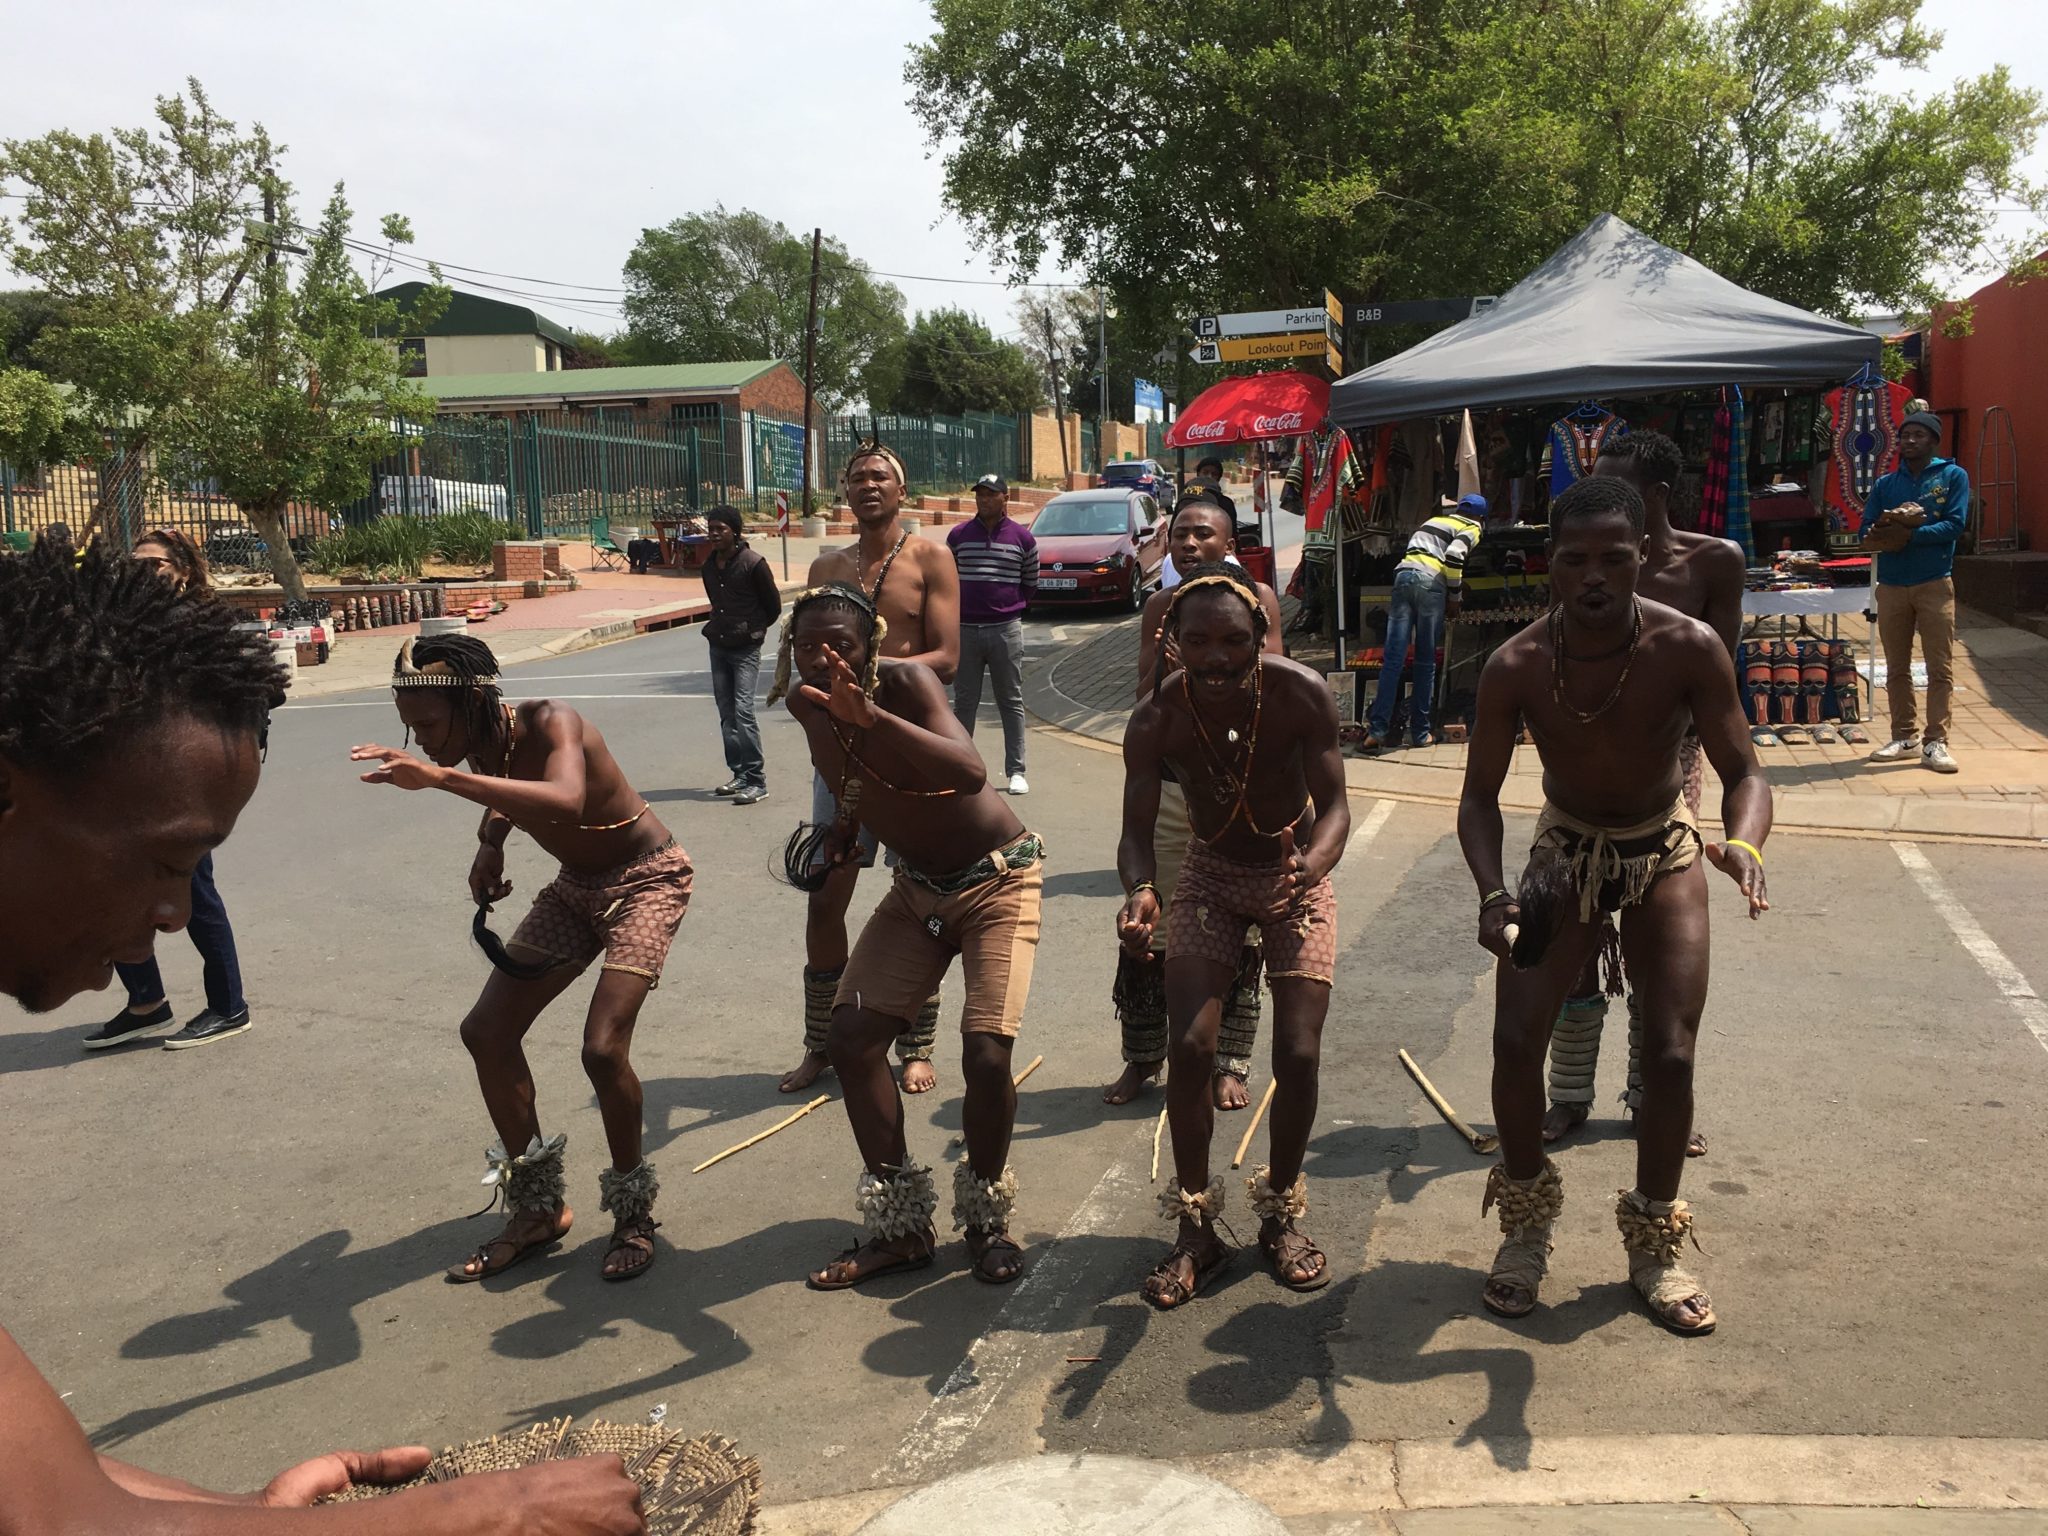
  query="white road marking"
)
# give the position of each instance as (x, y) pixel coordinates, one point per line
(994, 1359)
(1368, 829)
(2006, 976)
(673, 698)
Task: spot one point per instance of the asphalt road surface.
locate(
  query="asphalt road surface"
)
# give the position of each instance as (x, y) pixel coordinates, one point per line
(231, 1258)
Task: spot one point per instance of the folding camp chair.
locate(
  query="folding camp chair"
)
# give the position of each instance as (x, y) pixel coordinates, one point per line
(603, 552)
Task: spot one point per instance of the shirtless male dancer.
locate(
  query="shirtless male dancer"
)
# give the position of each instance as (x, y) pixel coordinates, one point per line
(1204, 532)
(129, 720)
(1702, 577)
(916, 588)
(622, 891)
(1608, 683)
(967, 882)
(1252, 739)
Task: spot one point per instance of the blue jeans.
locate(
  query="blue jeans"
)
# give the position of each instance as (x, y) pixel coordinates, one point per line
(1415, 613)
(215, 941)
(733, 673)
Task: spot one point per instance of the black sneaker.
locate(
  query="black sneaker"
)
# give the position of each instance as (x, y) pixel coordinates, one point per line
(753, 796)
(207, 1028)
(730, 788)
(125, 1026)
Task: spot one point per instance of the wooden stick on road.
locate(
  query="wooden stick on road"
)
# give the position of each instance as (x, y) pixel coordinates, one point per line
(1257, 1115)
(1484, 1145)
(1158, 1130)
(780, 1125)
(1016, 1082)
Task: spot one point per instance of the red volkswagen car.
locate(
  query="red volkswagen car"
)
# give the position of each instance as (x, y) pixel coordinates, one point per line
(1099, 546)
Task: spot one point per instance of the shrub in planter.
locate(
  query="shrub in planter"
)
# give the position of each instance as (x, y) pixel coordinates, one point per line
(465, 538)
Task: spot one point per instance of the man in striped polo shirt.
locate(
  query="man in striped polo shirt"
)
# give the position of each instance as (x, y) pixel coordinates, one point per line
(998, 562)
(1428, 587)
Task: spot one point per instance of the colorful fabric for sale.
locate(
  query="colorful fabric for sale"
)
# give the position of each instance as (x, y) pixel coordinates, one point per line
(1737, 524)
(1575, 444)
(1863, 427)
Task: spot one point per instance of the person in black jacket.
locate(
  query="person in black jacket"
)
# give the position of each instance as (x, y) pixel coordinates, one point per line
(745, 602)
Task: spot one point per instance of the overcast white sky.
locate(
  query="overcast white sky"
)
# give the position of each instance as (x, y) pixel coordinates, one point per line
(539, 140)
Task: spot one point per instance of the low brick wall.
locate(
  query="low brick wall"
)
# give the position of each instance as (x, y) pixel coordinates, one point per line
(262, 601)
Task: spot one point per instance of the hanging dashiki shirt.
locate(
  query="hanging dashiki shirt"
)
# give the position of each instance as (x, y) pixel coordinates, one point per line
(1575, 444)
(1863, 424)
(1324, 474)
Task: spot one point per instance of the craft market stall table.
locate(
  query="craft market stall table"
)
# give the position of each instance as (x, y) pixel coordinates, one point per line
(685, 550)
(1802, 603)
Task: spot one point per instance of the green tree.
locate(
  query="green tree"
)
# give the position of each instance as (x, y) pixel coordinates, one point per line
(25, 313)
(727, 287)
(1251, 153)
(182, 323)
(37, 426)
(953, 364)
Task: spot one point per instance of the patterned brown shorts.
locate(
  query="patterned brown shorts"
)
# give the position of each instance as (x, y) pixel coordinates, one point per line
(1218, 901)
(629, 914)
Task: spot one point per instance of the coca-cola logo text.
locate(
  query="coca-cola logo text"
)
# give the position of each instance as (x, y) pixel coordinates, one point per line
(1201, 431)
(1289, 422)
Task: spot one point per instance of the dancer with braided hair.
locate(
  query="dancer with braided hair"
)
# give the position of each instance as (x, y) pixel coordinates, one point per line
(915, 588)
(1204, 531)
(622, 891)
(1700, 576)
(1608, 684)
(902, 767)
(1252, 739)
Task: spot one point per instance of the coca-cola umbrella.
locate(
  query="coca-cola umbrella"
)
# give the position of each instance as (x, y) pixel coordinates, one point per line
(1254, 407)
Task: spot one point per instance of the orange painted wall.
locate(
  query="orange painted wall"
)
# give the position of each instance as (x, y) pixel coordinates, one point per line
(2004, 361)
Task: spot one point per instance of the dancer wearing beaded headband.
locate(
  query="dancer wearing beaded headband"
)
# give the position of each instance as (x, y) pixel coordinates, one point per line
(622, 891)
(1252, 739)
(884, 737)
(1608, 683)
(1204, 531)
(1700, 576)
(914, 587)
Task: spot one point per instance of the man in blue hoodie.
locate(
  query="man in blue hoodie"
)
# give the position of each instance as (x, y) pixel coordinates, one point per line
(1913, 519)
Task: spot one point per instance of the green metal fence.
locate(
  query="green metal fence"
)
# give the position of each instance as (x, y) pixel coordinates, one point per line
(939, 453)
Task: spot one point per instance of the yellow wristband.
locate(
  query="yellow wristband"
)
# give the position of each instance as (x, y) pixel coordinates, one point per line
(1750, 848)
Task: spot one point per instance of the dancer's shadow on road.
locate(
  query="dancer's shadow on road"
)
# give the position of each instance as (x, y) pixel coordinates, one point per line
(316, 1287)
(675, 1106)
(588, 1308)
(1042, 1113)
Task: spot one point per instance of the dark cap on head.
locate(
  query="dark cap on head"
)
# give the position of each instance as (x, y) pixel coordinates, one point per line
(1925, 419)
(993, 483)
(729, 516)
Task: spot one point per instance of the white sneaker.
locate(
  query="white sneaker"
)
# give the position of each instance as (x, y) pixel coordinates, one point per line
(1019, 787)
(1935, 755)
(1892, 751)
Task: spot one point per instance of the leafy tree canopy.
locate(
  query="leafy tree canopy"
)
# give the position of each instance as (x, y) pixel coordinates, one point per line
(725, 287)
(951, 364)
(222, 337)
(1250, 152)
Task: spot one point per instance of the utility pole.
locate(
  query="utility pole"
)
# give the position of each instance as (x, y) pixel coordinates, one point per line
(1102, 376)
(810, 360)
(1052, 367)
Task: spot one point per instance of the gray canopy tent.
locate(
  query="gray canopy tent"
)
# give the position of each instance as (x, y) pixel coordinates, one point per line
(1612, 312)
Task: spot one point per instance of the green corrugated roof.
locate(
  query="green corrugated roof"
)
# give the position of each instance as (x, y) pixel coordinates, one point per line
(662, 379)
(471, 314)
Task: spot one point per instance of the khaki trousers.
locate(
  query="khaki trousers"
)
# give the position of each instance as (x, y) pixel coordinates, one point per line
(1927, 608)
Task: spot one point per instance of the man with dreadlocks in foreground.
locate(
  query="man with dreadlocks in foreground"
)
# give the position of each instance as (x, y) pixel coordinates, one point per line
(1252, 738)
(622, 891)
(914, 586)
(1608, 683)
(967, 883)
(129, 719)
(1204, 530)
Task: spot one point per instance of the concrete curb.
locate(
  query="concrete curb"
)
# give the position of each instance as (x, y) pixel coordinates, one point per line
(1549, 1486)
(2016, 823)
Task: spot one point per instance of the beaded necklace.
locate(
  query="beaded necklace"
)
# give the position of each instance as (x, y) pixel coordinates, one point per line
(1228, 780)
(1586, 717)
